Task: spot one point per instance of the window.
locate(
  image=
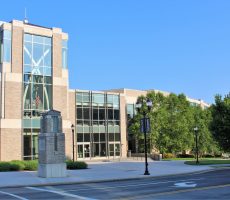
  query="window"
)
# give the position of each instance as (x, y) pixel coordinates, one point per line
(98, 120)
(130, 110)
(6, 50)
(37, 98)
(64, 54)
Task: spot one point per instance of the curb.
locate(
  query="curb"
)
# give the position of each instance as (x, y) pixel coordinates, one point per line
(108, 180)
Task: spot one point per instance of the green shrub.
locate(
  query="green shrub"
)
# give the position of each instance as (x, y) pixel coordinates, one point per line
(208, 156)
(76, 165)
(168, 155)
(4, 166)
(17, 165)
(185, 156)
(31, 165)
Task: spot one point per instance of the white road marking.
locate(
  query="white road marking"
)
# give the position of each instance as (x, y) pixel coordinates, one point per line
(13, 195)
(185, 184)
(133, 185)
(60, 193)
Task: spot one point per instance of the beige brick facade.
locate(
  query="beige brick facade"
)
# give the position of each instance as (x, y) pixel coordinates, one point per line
(11, 144)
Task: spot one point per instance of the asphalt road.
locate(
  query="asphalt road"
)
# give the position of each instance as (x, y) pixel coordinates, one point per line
(203, 185)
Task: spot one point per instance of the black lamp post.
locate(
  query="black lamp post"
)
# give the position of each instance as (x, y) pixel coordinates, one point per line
(72, 127)
(145, 126)
(196, 134)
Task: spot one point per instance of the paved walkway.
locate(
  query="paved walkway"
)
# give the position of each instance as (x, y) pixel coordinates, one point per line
(99, 171)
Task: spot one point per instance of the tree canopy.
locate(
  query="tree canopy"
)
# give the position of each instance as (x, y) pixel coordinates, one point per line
(220, 125)
(173, 119)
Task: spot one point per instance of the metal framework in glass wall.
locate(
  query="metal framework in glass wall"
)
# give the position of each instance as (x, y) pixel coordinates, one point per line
(98, 125)
(37, 97)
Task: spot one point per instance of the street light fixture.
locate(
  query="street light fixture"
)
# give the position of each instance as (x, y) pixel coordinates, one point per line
(145, 126)
(196, 134)
(72, 127)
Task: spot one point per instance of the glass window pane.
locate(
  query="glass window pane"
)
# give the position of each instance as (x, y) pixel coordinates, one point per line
(95, 113)
(7, 34)
(96, 137)
(116, 99)
(103, 149)
(79, 97)
(111, 149)
(86, 122)
(79, 129)
(64, 58)
(111, 129)
(47, 71)
(48, 97)
(110, 114)
(101, 114)
(96, 129)
(47, 56)
(102, 137)
(86, 137)
(47, 79)
(102, 129)
(86, 113)
(37, 96)
(79, 113)
(110, 99)
(37, 79)
(27, 53)
(6, 50)
(79, 137)
(86, 129)
(116, 114)
(37, 55)
(80, 151)
(117, 136)
(111, 137)
(85, 97)
(47, 40)
(38, 39)
(27, 145)
(98, 98)
(27, 78)
(37, 70)
(27, 38)
(117, 149)
(27, 96)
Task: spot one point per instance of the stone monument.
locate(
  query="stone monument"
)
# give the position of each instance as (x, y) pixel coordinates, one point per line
(51, 146)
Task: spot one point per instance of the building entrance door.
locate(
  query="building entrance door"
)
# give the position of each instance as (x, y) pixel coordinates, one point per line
(84, 151)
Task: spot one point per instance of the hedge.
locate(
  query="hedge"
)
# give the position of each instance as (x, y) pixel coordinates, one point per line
(76, 165)
(32, 165)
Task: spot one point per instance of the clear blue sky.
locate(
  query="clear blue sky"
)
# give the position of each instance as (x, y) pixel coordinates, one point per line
(180, 46)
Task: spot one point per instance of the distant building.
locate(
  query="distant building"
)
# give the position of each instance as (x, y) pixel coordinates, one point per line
(34, 79)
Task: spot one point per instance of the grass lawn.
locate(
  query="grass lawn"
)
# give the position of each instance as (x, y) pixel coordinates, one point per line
(192, 159)
(208, 162)
(178, 159)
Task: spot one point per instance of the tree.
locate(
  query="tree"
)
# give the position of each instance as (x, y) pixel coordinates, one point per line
(173, 119)
(202, 120)
(220, 125)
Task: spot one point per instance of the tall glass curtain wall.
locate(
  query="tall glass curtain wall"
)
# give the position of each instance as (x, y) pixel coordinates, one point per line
(5, 46)
(98, 125)
(37, 97)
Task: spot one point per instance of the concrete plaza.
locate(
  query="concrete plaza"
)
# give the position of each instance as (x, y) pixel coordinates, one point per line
(102, 171)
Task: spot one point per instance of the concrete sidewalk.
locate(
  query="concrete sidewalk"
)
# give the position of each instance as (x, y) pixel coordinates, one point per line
(101, 171)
